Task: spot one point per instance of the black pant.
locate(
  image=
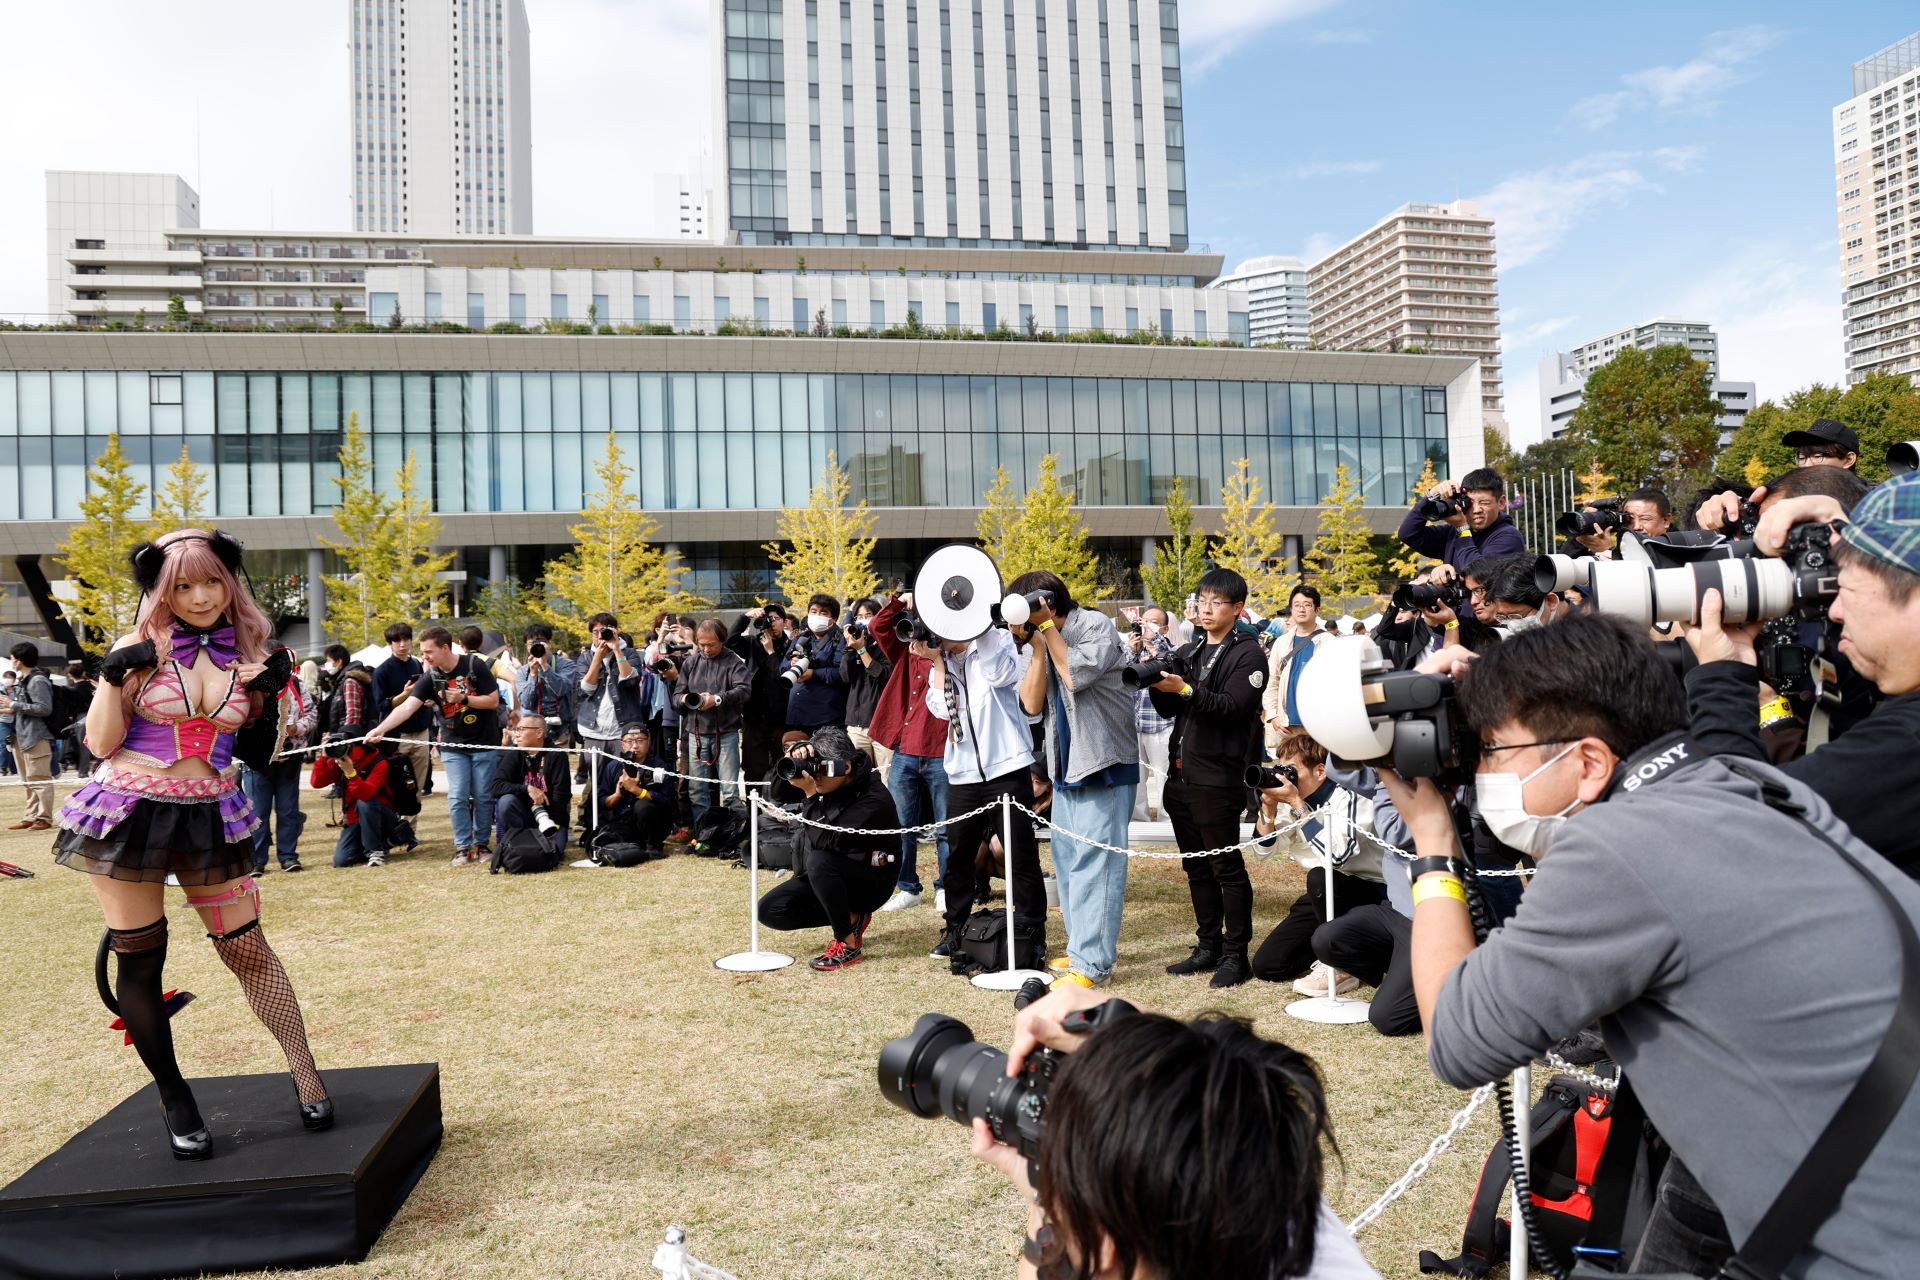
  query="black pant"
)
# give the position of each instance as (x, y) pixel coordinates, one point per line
(1208, 818)
(1288, 951)
(1374, 943)
(1685, 1233)
(642, 822)
(1023, 860)
(831, 889)
(759, 748)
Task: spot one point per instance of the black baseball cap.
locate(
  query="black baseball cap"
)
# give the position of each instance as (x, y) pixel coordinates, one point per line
(1824, 431)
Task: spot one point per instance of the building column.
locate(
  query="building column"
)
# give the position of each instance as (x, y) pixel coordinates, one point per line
(496, 564)
(1149, 551)
(316, 599)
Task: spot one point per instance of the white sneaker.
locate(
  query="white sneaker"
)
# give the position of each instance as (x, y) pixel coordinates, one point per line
(900, 901)
(1315, 983)
(940, 901)
(378, 858)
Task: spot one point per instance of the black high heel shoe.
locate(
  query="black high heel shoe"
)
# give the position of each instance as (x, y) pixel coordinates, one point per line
(197, 1145)
(317, 1115)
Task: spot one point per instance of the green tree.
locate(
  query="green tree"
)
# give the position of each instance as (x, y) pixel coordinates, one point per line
(1179, 561)
(1553, 457)
(181, 501)
(1499, 453)
(1250, 541)
(1881, 408)
(1043, 532)
(1342, 559)
(613, 566)
(413, 529)
(825, 546)
(506, 606)
(364, 599)
(106, 602)
(1648, 417)
(176, 311)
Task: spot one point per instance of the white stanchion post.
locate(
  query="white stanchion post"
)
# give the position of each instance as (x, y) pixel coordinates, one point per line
(753, 959)
(1010, 978)
(1519, 1260)
(593, 785)
(1331, 1007)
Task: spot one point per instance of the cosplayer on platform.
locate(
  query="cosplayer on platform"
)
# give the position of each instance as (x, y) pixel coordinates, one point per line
(193, 686)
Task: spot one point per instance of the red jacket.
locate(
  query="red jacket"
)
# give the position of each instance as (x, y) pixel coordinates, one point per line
(901, 721)
(368, 783)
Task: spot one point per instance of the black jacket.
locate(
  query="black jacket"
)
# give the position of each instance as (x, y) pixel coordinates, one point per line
(1865, 776)
(864, 804)
(864, 683)
(662, 793)
(1216, 732)
(549, 768)
(767, 707)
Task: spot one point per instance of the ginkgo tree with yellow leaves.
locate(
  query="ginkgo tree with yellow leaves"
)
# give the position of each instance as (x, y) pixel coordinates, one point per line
(1342, 559)
(1250, 541)
(825, 546)
(1041, 529)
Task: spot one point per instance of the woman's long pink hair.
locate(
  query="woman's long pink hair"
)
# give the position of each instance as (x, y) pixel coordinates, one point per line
(189, 555)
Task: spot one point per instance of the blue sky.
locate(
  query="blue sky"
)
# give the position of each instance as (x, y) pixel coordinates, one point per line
(1640, 159)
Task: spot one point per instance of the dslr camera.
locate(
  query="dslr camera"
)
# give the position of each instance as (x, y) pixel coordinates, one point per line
(670, 656)
(1139, 675)
(1365, 712)
(1664, 579)
(544, 820)
(940, 1069)
(1606, 514)
(634, 769)
(1417, 597)
(857, 630)
(908, 628)
(538, 649)
(1442, 508)
(760, 624)
(787, 768)
(802, 659)
(1269, 774)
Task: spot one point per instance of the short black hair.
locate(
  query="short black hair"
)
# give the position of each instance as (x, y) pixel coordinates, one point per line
(776, 610)
(538, 631)
(1838, 483)
(26, 653)
(1050, 582)
(1484, 480)
(821, 599)
(337, 653)
(472, 639)
(864, 602)
(1588, 676)
(1658, 497)
(1225, 583)
(1306, 589)
(398, 631)
(602, 620)
(1510, 580)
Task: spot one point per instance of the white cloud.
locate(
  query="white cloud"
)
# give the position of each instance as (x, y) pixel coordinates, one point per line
(1519, 337)
(1334, 168)
(1318, 246)
(1340, 37)
(1533, 212)
(1776, 307)
(1693, 85)
(1212, 29)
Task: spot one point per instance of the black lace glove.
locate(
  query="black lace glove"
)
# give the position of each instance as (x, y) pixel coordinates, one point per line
(279, 670)
(127, 659)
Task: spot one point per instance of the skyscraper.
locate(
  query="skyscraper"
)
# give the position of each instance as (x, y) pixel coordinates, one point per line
(1422, 277)
(1876, 157)
(442, 122)
(1564, 374)
(951, 123)
(1276, 289)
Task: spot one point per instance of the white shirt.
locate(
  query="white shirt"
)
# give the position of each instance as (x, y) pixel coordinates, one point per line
(995, 736)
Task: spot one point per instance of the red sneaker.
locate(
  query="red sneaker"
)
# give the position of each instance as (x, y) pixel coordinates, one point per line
(837, 956)
(860, 923)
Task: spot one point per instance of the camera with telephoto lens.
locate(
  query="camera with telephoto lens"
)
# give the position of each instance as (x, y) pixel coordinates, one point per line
(908, 628)
(653, 776)
(1442, 508)
(1418, 597)
(801, 660)
(940, 1069)
(1785, 662)
(1140, 675)
(537, 649)
(761, 623)
(1365, 712)
(787, 768)
(544, 820)
(669, 658)
(1606, 514)
(1664, 579)
(687, 700)
(1269, 774)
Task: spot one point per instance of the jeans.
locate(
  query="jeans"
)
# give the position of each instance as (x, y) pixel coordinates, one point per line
(469, 783)
(371, 832)
(1685, 1232)
(6, 748)
(511, 813)
(275, 795)
(709, 756)
(907, 778)
(1093, 882)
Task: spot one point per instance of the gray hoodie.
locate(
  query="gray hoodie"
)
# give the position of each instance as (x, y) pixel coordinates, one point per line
(1743, 976)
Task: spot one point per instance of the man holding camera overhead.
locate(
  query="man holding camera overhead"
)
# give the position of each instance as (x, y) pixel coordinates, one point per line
(1472, 521)
(609, 690)
(710, 687)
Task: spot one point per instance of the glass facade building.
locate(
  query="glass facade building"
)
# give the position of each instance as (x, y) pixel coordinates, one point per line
(505, 441)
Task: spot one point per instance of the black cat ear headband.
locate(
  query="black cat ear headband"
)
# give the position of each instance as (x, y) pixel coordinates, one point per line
(149, 558)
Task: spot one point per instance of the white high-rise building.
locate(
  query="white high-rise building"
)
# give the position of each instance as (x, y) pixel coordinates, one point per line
(107, 251)
(1564, 374)
(1276, 289)
(990, 123)
(442, 117)
(680, 206)
(1876, 157)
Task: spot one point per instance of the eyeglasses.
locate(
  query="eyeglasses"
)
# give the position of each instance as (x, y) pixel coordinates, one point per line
(1488, 748)
(1807, 455)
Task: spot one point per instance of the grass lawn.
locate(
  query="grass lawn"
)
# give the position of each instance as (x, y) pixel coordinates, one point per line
(601, 1079)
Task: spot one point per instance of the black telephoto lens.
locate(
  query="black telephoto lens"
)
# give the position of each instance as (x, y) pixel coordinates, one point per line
(537, 650)
(687, 700)
(1264, 777)
(1139, 675)
(907, 1064)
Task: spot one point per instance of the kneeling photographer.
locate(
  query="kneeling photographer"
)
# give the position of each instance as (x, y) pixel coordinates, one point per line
(842, 877)
(637, 795)
(1877, 607)
(532, 788)
(1706, 912)
(1134, 1140)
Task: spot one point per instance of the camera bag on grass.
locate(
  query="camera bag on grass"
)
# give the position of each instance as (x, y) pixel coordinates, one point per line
(780, 846)
(619, 853)
(525, 851)
(719, 832)
(983, 940)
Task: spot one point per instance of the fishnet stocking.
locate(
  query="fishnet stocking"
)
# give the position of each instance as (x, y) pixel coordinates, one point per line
(245, 951)
(142, 954)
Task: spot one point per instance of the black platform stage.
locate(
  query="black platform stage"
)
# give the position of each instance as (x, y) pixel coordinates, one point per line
(114, 1202)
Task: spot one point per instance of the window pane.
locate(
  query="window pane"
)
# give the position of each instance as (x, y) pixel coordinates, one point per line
(449, 479)
(1346, 409)
(653, 402)
(100, 403)
(536, 407)
(739, 464)
(624, 408)
(448, 401)
(507, 385)
(296, 476)
(417, 401)
(231, 404)
(326, 402)
(387, 414)
(653, 472)
(1390, 420)
(264, 480)
(263, 404)
(1323, 419)
(296, 404)
(1369, 412)
(680, 411)
(480, 495)
(230, 476)
(69, 404)
(793, 402)
(1183, 412)
(511, 488)
(1206, 398)
(711, 391)
(594, 418)
(566, 402)
(36, 474)
(906, 403)
(739, 401)
(568, 475)
(135, 403)
(198, 397)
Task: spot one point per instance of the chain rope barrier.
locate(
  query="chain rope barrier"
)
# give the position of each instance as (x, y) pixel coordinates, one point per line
(1417, 1170)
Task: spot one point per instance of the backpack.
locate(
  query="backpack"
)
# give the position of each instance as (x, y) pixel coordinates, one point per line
(526, 851)
(983, 940)
(1594, 1162)
(68, 706)
(719, 832)
(780, 848)
(402, 786)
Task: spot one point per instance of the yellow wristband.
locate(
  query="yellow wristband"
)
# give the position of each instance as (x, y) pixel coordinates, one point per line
(1186, 690)
(1043, 625)
(1438, 887)
(1778, 709)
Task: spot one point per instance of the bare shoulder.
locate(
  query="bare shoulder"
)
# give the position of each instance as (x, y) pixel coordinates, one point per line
(124, 641)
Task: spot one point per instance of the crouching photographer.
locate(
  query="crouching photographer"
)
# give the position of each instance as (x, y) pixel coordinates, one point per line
(1705, 911)
(841, 877)
(1134, 1138)
(637, 796)
(532, 791)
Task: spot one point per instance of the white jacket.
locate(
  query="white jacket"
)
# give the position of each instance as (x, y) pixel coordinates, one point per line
(1339, 836)
(995, 738)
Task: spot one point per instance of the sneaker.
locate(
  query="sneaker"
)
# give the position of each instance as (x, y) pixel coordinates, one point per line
(378, 858)
(836, 957)
(943, 949)
(292, 867)
(1060, 964)
(1315, 983)
(901, 900)
(860, 923)
(1233, 971)
(1203, 960)
(1072, 979)
(466, 857)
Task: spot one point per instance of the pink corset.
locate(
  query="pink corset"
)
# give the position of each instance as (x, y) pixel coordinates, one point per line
(165, 728)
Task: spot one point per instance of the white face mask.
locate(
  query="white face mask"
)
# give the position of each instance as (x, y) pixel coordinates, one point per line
(1500, 799)
(1150, 628)
(818, 623)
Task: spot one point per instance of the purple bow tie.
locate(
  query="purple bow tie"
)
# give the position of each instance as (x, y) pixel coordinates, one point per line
(219, 642)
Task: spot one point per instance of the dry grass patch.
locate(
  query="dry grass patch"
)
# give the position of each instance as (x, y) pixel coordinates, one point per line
(601, 1079)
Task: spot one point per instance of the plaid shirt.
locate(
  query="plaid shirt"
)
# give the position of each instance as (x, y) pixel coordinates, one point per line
(1145, 718)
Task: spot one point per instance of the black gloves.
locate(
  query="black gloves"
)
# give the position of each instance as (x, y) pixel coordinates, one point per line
(274, 678)
(126, 660)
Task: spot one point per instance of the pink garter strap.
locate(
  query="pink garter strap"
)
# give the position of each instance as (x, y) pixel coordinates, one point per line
(158, 786)
(248, 888)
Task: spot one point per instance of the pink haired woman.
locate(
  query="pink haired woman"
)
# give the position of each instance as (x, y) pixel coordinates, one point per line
(174, 696)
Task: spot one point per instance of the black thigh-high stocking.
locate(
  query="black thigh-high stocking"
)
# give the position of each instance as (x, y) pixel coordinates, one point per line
(142, 954)
(245, 951)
